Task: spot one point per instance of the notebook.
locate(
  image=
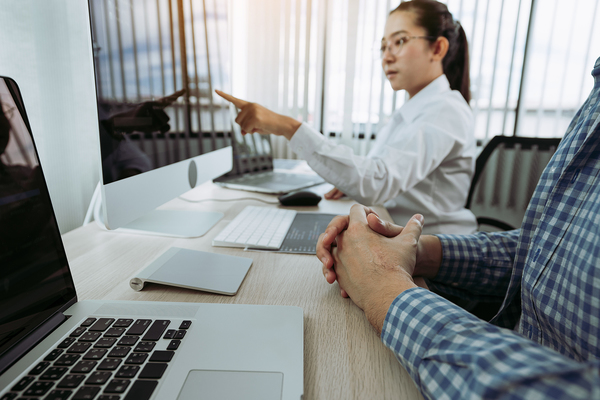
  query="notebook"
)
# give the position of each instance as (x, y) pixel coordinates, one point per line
(53, 346)
(253, 168)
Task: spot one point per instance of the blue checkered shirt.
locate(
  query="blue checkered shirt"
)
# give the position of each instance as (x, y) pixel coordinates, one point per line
(548, 273)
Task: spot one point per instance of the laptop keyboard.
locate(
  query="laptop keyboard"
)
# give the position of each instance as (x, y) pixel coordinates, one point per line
(104, 359)
(256, 227)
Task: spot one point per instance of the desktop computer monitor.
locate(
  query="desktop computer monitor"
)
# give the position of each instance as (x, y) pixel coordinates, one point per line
(162, 129)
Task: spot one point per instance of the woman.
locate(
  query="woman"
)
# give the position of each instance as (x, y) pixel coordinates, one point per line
(423, 158)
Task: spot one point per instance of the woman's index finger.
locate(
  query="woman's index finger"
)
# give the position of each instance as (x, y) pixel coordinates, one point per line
(239, 103)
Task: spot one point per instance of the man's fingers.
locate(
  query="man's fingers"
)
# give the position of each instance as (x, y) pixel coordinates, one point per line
(239, 103)
(414, 227)
(359, 213)
(383, 227)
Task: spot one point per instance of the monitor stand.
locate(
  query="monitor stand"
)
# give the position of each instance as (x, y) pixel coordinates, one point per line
(174, 223)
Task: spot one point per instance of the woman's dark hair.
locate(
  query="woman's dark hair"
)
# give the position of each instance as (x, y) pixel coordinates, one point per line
(435, 18)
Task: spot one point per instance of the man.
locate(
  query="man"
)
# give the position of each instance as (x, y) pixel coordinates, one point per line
(545, 340)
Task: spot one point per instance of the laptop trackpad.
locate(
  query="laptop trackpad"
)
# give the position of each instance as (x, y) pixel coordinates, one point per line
(232, 385)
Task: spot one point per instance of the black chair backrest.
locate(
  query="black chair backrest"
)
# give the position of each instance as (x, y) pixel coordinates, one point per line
(506, 173)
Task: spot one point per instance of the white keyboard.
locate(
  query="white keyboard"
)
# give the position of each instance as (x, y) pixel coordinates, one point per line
(256, 227)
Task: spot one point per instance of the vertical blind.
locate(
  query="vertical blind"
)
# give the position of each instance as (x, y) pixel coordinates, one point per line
(316, 60)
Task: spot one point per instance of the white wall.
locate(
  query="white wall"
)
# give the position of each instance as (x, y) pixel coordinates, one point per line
(45, 47)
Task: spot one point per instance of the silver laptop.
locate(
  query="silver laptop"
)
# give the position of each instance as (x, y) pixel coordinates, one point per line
(253, 167)
(55, 347)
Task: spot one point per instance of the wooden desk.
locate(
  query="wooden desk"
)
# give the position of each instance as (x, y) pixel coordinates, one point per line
(343, 356)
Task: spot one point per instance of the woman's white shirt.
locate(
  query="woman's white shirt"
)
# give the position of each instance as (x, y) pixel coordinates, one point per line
(422, 161)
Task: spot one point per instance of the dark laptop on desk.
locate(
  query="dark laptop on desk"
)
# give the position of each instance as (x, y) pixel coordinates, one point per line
(55, 347)
(253, 168)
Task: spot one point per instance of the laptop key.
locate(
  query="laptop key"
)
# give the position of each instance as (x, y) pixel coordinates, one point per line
(119, 351)
(102, 324)
(117, 386)
(38, 389)
(156, 330)
(53, 373)
(141, 390)
(145, 347)
(71, 381)
(127, 371)
(123, 322)
(169, 334)
(83, 367)
(109, 397)
(153, 371)
(98, 378)
(86, 393)
(136, 358)
(23, 383)
(185, 324)
(66, 360)
(139, 327)
(105, 343)
(53, 355)
(88, 322)
(179, 334)
(79, 347)
(89, 337)
(58, 395)
(109, 364)
(66, 343)
(77, 332)
(114, 332)
(9, 396)
(39, 368)
(173, 344)
(95, 354)
(128, 340)
(162, 356)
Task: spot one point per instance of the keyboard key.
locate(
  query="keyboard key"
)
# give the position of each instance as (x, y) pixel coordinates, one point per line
(139, 327)
(127, 371)
(88, 322)
(180, 334)
(102, 324)
(9, 396)
(128, 340)
(66, 360)
(105, 343)
(95, 354)
(156, 330)
(153, 371)
(185, 324)
(173, 344)
(98, 378)
(169, 334)
(23, 383)
(123, 322)
(39, 368)
(38, 389)
(71, 381)
(53, 355)
(86, 393)
(109, 397)
(109, 364)
(162, 356)
(53, 373)
(79, 347)
(89, 337)
(58, 395)
(77, 332)
(114, 332)
(136, 358)
(117, 386)
(141, 390)
(119, 351)
(145, 347)
(66, 343)
(83, 367)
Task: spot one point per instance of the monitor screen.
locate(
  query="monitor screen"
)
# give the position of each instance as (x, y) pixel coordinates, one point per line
(34, 274)
(162, 129)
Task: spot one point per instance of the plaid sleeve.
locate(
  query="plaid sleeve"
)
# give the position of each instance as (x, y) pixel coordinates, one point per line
(478, 266)
(451, 354)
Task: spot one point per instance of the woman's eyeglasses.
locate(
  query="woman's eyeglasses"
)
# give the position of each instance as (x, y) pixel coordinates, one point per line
(395, 45)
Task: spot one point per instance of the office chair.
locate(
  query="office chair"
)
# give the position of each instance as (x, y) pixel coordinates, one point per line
(506, 173)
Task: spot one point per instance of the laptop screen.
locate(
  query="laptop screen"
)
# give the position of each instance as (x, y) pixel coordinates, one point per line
(35, 280)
